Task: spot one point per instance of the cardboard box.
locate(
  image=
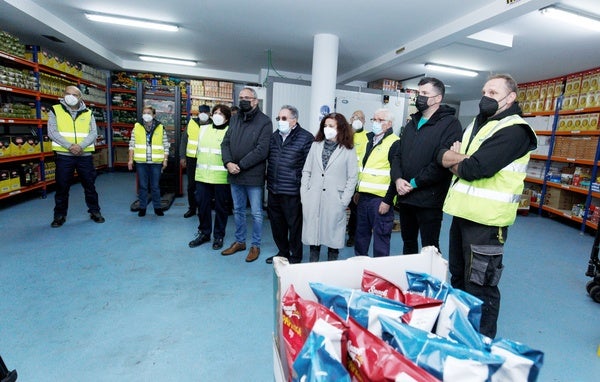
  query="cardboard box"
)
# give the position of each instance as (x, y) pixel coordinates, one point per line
(562, 199)
(5, 147)
(121, 154)
(345, 274)
(4, 181)
(46, 144)
(15, 180)
(100, 158)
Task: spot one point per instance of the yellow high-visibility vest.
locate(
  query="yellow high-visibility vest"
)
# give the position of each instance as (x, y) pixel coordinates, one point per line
(73, 130)
(490, 201)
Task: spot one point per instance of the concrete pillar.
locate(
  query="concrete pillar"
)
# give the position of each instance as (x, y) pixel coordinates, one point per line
(324, 78)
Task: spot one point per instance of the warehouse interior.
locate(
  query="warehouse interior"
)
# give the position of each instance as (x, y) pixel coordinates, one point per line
(129, 300)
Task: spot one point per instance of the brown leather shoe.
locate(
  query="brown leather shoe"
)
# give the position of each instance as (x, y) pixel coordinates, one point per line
(252, 254)
(235, 247)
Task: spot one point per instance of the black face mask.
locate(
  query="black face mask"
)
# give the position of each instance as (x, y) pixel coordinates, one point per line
(487, 106)
(421, 103)
(245, 106)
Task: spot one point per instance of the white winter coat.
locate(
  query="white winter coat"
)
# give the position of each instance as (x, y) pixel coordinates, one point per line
(325, 194)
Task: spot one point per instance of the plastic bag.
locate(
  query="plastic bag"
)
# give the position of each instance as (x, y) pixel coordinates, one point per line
(443, 358)
(521, 362)
(300, 317)
(425, 309)
(371, 359)
(318, 362)
(365, 308)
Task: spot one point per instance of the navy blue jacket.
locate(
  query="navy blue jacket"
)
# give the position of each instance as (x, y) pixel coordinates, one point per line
(286, 160)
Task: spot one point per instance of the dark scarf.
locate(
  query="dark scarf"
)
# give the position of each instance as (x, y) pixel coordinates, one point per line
(328, 149)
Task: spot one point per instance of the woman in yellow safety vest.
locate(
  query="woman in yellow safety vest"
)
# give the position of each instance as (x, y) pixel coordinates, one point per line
(149, 148)
(211, 179)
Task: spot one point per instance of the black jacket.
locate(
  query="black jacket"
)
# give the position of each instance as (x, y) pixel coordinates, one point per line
(416, 157)
(499, 150)
(286, 160)
(246, 143)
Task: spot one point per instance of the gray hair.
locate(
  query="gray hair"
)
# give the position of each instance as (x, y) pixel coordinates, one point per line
(254, 94)
(510, 82)
(292, 110)
(389, 116)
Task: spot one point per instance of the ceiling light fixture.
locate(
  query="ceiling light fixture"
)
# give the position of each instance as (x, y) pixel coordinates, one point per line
(132, 22)
(572, 16)
(165, 60)
(451, 69)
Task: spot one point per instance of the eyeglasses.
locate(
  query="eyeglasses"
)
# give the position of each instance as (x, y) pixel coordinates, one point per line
(378, 120)
(283, 118)
(247, 98)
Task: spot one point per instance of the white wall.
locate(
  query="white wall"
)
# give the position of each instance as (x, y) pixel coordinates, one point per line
(467, 111)
(348, 101)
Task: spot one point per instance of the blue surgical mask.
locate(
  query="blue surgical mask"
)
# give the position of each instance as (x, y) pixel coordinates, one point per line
(377, 128)
(284, 127)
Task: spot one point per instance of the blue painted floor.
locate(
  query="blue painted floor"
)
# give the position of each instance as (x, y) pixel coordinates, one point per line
(128, 300)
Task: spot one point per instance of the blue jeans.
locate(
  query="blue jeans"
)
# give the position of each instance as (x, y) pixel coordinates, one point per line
(66, 165)
(240, 195)
(148, 173)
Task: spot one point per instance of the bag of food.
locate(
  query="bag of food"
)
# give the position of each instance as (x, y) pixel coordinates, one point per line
(300, 317)
(443, 358)
(365, 308)
(318, 362)
(425, 309)
(371, 359)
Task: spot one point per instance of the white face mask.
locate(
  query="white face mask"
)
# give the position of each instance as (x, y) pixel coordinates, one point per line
(377, 128)
(329, 132)
(71, 100)
(357, 124)
(147, 117)
(203, 117)
(283, 126)
(218, 119)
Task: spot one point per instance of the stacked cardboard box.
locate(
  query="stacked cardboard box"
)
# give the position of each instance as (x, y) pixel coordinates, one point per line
(385, 84)
(576, 147)
(562, 199)
(539, 96)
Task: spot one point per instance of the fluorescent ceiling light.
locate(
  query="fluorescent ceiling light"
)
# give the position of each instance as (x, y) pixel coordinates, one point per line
(132, 22)
(572, 16)
(164, 60)
(452, 70)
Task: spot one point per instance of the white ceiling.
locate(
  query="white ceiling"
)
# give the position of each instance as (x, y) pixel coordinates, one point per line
(231, 39)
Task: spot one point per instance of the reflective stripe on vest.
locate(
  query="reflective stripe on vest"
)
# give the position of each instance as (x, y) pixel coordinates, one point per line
(141, 147)
(192, 144)
(374, 178)
(360, 145)
(74, 131)
(209, 164)
(490, 201)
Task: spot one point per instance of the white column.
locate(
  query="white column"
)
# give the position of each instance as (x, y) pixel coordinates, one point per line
(324, 78)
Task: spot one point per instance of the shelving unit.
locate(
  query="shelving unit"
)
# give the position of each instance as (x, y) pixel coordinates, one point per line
(27, 89)
(122, 116)
(570, 147)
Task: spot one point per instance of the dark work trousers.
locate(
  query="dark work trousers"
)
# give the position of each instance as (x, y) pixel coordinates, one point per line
(368, 220)
(418, 220)
(351, 227)
(467, 241)
(65, 170)
(190, 170)
(205, 193)
(285, 215)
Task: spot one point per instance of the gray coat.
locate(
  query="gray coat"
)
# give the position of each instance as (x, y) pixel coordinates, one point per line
(325, 194)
